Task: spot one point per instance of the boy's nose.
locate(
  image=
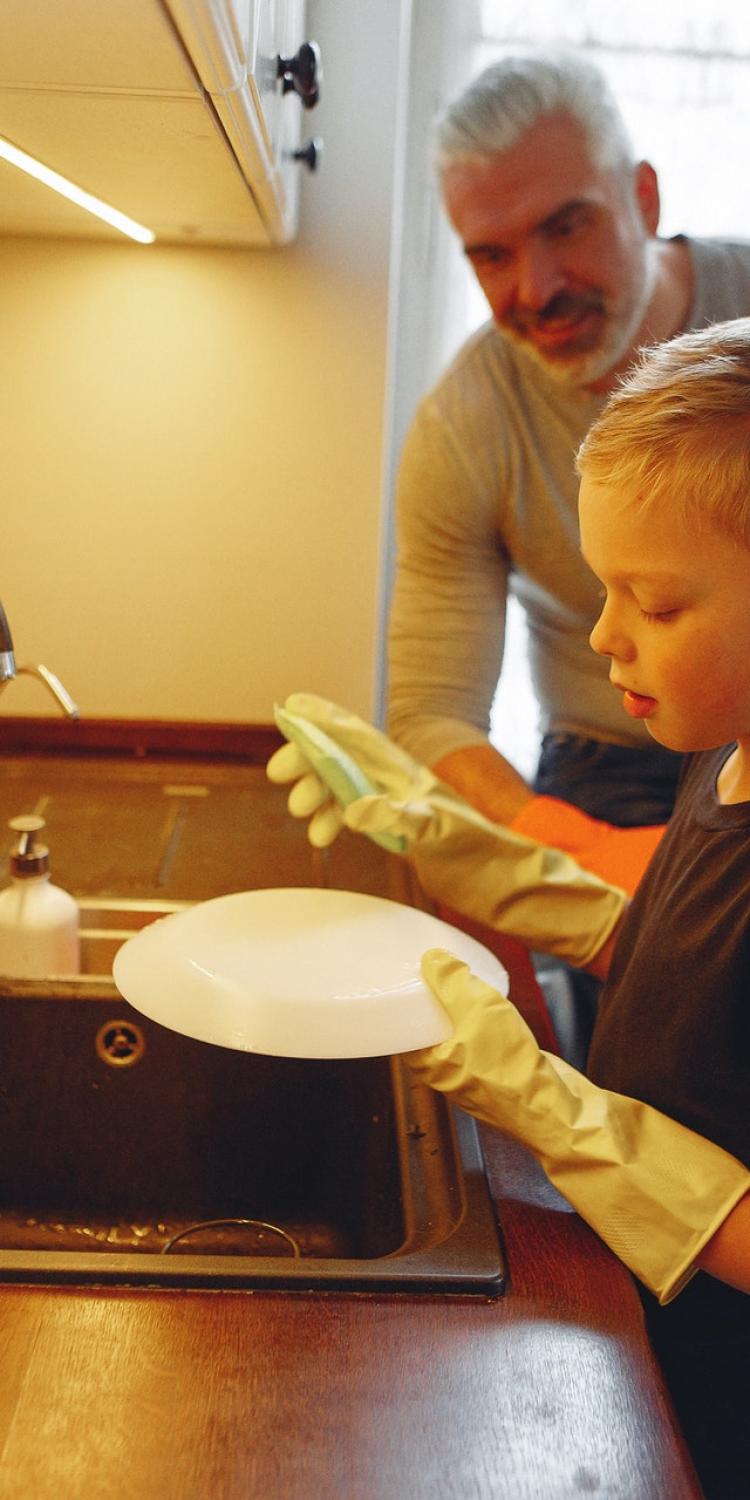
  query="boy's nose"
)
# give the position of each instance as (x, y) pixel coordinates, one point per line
(607, 640)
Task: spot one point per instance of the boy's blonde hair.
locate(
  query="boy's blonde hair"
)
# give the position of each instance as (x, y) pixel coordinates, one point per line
(679, 427)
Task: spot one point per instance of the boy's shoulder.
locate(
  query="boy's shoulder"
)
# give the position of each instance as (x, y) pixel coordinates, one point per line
(697, 797)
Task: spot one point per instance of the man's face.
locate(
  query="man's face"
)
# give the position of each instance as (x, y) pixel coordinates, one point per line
(675, 622)
(562, 249)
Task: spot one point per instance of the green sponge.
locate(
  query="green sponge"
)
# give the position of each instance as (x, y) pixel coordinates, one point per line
(343, 777)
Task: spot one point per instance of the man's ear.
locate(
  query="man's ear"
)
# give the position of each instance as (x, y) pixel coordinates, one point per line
(647, 195)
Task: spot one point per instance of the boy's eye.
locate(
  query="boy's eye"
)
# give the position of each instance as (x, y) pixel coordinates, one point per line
(659, 614)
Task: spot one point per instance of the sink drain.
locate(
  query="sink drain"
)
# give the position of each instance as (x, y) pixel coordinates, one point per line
(120, 1044)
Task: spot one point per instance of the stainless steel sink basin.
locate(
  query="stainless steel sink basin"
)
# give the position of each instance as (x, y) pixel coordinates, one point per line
(106, 923)
(133, 1155)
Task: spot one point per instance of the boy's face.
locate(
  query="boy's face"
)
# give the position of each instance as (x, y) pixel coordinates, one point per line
(675, 621)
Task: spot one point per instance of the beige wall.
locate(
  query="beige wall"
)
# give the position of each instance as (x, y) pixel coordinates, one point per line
(192, 447)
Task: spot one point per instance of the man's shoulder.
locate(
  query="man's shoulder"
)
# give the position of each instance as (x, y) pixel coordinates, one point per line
(484, 368)
(722, 278)
(718, 249)
(465, 425)
(484, 349)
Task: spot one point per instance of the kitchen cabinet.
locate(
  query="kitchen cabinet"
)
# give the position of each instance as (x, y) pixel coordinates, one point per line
(170, 110)
(235, 47)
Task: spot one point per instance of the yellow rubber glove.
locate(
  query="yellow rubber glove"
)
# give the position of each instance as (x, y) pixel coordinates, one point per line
(653, 1190)
(508, 882)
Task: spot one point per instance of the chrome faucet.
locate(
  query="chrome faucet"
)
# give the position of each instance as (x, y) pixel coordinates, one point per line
(9, 670)
(7, 659)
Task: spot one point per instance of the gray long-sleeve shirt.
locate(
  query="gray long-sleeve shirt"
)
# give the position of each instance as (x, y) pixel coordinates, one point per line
(488, 504)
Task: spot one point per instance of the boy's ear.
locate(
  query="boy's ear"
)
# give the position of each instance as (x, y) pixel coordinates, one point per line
(647, 195)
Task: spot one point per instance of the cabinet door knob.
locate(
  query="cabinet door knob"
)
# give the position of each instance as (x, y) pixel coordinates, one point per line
(303, 73)
(311, 153)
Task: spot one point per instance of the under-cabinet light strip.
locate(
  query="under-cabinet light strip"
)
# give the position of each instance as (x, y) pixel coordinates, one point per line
(11, 153)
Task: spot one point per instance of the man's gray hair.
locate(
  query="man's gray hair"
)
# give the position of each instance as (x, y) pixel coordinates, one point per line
(514, 93)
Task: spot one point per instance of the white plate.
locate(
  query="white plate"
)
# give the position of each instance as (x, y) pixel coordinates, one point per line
(298, 972)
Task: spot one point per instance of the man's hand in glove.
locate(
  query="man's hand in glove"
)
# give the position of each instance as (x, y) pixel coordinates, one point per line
(653, 1190)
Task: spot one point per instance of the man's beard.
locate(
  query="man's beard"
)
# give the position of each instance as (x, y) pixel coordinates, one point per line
(620, 326)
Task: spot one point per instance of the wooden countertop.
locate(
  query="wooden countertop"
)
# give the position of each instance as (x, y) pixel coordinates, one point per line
(547, 1393)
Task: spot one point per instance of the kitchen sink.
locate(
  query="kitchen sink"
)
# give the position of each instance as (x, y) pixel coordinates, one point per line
(106, 923)
(135, 1156)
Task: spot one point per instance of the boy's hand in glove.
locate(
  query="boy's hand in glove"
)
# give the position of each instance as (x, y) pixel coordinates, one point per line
(505, 880)
(653, 1190)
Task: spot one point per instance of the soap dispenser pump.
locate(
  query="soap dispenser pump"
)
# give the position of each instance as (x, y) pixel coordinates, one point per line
(38, 921)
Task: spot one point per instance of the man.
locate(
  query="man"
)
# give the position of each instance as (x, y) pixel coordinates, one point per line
(559, 223)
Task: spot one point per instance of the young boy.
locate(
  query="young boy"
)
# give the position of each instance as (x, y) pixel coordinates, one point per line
(653, 1148)
(664, 515)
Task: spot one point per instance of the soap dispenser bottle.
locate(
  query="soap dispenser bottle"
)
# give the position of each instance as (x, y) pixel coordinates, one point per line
(38, 922)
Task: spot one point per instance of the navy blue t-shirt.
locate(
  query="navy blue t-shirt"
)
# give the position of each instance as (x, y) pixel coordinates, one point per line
(674, 1029)
(674, 1023)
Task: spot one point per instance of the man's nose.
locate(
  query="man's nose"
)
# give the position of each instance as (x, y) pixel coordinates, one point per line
(540, 277)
